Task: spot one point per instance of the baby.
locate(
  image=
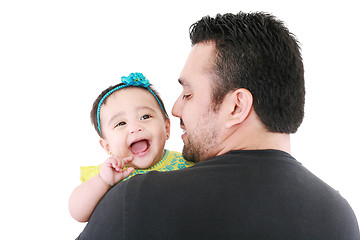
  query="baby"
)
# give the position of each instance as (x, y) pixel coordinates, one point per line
(133, 126)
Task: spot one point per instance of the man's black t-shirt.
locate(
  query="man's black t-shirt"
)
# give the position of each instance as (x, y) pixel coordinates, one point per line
(259, 194)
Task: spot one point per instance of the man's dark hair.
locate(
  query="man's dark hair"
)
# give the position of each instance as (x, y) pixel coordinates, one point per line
(256, 51)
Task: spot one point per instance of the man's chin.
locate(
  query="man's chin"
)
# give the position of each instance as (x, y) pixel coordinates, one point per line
(189, 155)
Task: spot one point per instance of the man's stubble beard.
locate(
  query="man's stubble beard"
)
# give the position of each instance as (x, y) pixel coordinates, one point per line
(199, 146)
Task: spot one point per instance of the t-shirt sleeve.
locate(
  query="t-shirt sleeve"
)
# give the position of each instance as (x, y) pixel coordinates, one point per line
(88, 172)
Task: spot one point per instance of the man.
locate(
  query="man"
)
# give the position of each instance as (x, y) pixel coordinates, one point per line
(243, 94)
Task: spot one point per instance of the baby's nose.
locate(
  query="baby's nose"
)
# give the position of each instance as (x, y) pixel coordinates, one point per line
(135, 130)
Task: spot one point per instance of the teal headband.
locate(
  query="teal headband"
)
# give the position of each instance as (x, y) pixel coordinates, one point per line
(133, 80)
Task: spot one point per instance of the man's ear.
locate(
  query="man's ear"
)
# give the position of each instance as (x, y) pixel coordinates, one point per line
(104, 144)
(241, 101)
(167, 128)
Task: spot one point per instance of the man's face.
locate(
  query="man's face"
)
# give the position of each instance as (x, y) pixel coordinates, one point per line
(193, 106)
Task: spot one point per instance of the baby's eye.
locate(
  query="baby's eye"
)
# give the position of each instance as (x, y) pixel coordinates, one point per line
(120, 124)
(146, 116)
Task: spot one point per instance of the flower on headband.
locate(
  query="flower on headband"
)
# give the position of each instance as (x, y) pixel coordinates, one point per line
(136, 79)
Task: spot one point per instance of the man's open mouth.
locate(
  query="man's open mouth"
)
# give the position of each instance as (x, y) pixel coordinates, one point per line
(140, 146)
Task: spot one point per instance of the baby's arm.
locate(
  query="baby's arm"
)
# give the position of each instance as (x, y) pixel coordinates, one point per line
(85, 197)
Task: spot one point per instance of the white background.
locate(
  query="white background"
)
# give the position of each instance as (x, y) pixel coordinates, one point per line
(57, 56)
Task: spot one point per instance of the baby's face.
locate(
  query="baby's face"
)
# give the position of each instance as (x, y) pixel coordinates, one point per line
(133, 124)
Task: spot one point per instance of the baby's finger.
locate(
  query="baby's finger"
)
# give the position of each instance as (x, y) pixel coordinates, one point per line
(128, 159)
(122, 162)
(115, 164)
(128, 171)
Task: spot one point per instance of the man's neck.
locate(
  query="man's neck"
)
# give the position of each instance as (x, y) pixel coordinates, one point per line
(254, 136)
(275, 141)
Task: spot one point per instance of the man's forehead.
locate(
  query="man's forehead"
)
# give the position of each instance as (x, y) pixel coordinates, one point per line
(198, 63)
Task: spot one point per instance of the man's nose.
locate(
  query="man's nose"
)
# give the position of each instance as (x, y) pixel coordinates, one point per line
(176, 110)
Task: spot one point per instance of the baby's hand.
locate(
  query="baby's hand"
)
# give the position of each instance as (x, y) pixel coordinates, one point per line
(112, 170)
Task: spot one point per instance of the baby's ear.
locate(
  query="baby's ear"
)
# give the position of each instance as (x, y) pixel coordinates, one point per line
(241, 101)
(167, 128)
(104, 144)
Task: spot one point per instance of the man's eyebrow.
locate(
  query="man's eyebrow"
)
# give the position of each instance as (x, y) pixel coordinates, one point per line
(180, 81)
(183, 82)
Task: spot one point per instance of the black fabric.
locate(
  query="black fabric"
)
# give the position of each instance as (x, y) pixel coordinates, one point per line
(263, 194)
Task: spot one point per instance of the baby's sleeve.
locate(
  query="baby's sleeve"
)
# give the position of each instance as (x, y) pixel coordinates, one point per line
(88, 172)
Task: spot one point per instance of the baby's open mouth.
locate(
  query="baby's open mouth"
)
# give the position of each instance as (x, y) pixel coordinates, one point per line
(139, 146)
